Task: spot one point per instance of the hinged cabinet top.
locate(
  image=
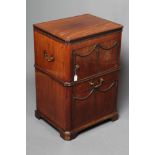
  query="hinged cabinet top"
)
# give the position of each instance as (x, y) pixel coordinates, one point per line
(77, 27)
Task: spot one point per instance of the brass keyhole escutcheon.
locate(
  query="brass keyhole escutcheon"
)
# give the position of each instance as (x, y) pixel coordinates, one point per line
(77, 67)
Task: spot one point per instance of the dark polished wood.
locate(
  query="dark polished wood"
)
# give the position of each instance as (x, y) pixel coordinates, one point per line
(61, 53)
(90, 102)
(101, 54)
(77, 82)
(73, 28)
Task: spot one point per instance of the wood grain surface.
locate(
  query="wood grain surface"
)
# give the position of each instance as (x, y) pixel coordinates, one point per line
(73, 28)
(72, 105)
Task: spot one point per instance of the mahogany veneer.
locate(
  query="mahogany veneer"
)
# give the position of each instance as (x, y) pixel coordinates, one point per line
(77, 62)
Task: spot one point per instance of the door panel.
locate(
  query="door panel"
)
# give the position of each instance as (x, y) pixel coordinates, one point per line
(94, 99)
(98, 57)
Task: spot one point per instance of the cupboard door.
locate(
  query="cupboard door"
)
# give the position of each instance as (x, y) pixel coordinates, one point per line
(94, 99)
(97, 57)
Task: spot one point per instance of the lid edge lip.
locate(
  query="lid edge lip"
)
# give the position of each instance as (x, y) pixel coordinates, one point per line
(92, 35)
(78, 39)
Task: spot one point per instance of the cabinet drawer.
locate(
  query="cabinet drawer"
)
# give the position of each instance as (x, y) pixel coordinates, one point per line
(52, 56)
(94, 99)
(97, 55)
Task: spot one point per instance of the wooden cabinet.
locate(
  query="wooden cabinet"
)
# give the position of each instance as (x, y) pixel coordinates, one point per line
(77, 62)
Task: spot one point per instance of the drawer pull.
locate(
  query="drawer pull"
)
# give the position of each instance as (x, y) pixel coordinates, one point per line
(95, 88)
(98, 85)
(47, 57)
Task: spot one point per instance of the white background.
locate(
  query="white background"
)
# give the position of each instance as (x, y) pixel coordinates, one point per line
(13, 77)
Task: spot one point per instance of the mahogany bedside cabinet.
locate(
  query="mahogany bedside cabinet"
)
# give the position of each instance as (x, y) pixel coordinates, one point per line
(77, 62)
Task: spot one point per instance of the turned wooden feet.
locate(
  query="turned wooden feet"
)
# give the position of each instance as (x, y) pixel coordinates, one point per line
(115, 117)
(67, 135)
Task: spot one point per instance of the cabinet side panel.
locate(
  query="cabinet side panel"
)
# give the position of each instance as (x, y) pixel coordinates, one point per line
(53, 101)
(52, 56)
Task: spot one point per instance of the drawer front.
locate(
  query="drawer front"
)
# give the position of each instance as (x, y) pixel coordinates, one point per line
(97, 56)
(94, 99)
(52, 56)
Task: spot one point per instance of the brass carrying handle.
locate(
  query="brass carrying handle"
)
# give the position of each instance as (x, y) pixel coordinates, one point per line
(98, 85)
(47, 57)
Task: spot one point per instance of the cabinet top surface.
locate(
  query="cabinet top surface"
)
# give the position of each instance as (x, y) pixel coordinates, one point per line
(77, 27)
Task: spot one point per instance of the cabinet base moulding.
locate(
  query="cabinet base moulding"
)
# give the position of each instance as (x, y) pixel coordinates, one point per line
(69, 135)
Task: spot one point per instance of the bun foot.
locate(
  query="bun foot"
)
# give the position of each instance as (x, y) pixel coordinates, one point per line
(115, 117)
(37, 115)
(67, 135)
